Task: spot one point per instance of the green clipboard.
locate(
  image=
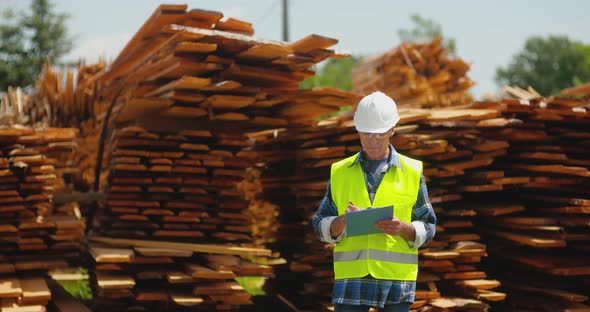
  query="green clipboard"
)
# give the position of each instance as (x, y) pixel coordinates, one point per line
(362, 222)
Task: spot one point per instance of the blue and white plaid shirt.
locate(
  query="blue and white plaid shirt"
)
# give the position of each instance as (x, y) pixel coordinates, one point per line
(368, 290)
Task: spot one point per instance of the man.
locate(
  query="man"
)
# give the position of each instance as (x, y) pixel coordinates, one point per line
(376, 270)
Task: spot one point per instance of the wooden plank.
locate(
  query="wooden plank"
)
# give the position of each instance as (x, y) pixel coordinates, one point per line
(113, 281)
(195, 47)
(111, 255)
(199, 271)
(582, 89)
(33, 308)
(265, 52)
(551, 292)
(183, 83)
(228, 101)
(529, 240)
(177, 277)
(183, 112)
(312, 42)
(203, 248)
(10, 287)
(185, 299)
(142, 106)
(35, 291)
(235, 25)
(163, 252)
(478, 283)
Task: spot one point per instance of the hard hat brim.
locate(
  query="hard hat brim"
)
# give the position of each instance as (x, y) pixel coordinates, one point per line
(377, 130)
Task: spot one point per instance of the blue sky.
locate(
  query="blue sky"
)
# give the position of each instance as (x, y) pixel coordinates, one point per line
(488, 33)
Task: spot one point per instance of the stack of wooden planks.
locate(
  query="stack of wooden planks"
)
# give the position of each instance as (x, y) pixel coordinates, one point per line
(192, 186)
(417, 75)
(143, 275)
(195, 65)
(35, 235)
(539, 233)
(68, 97)
(451, 273)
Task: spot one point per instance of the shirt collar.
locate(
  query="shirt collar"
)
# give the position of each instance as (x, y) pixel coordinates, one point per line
(393, 159)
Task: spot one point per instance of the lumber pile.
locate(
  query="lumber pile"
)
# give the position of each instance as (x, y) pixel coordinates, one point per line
(542, 245)
(142, 275)
(416, 75)
(456, 165)
(193, 186)
(35, 235)
(192, 64)
(70, 98)
(67, 97)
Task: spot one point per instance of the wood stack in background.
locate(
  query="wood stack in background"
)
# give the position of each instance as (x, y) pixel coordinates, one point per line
(35, 235)
(70, 98)
(539, 233)
(451, 273)
(142, 275)
(193, 186)
(66, 97)
(194, 65)
(416, 75)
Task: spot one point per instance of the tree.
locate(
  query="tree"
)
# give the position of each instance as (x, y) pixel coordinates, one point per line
(548, 65)
(12, 52)
(336, 73)
(425, 30)
(29, 41)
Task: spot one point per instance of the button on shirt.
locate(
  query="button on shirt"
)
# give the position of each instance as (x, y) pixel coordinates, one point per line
(368, 290)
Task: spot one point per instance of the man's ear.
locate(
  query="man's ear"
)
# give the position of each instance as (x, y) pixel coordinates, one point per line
(392, 131)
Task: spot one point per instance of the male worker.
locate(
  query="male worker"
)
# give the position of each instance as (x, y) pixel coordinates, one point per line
(376, 270)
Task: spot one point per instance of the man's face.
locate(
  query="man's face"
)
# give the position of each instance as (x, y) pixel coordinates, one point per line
(376, 144)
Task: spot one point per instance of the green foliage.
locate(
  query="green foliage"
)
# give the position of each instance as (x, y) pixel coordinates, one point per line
(336, 73)
(425, 30)
(79, 289)
(252, 284)
(548, 65)
(27, 40)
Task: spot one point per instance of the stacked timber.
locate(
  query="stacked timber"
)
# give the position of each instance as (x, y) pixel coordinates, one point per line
(70, 98)
(192, 186)
(451, 274)
(35, 235)
(193, 65)
(540, 232)
(66, 97)
(142, 275)
(416, 75)
(188, 87)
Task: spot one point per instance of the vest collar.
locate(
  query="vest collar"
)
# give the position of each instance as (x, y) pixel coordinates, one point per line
(392, 159)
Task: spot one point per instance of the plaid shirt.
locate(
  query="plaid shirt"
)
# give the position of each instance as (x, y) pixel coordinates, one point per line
(368, 290)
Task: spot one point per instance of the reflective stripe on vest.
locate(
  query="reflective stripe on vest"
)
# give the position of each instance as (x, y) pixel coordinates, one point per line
(381, 255)
(376, 254)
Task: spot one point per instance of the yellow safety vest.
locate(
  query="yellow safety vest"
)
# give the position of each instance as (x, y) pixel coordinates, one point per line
(381, 255)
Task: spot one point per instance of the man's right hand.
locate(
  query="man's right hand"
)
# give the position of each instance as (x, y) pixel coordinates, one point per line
(339, 224)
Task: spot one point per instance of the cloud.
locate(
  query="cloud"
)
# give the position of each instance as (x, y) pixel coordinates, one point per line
(93, 48)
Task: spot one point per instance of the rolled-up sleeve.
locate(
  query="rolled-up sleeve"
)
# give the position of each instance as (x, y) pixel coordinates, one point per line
(423, 217)
(322, 219)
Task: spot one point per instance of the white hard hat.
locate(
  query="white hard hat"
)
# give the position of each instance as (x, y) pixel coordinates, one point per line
(376, 113)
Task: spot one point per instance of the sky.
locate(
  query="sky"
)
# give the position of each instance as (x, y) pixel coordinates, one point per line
(488, 33)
